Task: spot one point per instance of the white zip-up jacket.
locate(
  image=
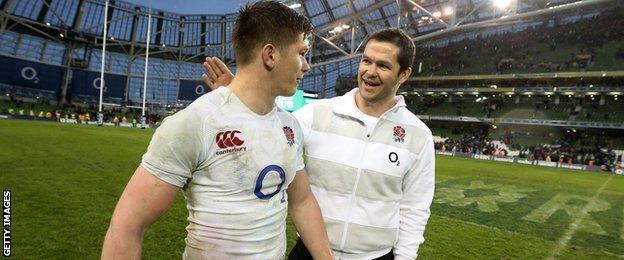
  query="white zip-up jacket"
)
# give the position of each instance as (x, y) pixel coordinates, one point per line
(374, 189)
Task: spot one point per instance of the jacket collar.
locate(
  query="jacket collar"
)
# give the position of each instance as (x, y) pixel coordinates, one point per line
(346, 104)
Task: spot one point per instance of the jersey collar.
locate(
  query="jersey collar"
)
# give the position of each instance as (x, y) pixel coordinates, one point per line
(346, 104)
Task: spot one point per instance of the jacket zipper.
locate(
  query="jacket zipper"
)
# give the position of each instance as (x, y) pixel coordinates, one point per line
(357, 180)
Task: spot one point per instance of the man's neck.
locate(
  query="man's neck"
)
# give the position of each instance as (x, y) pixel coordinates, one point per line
(375, 109)
(253, 90)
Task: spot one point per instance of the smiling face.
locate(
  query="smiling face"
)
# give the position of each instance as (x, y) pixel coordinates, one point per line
(379, 75)
(291, 66)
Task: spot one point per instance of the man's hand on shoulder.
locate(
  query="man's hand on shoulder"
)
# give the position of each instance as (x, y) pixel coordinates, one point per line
(217, 74)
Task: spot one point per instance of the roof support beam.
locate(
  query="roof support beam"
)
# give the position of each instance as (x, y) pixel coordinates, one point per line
(353, 16)
(427, 12)
(501, 20)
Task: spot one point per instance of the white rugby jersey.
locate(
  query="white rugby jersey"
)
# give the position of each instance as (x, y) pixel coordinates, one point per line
(234, 167)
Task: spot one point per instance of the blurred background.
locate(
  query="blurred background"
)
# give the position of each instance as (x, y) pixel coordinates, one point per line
(515, 88)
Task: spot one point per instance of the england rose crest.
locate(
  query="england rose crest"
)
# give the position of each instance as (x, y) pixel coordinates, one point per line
(399, 134)
(290, 135)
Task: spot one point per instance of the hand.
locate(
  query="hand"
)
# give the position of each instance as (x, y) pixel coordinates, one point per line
(217, 74)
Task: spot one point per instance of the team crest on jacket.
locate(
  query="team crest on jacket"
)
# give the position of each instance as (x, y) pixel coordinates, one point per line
(399, 134)
(290, 135)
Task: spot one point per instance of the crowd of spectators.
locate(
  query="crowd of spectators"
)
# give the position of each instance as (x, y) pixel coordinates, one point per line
(525, 50)
(565, 153)
(44, 110)
(474, 140)
(472, 145)
(571, 147)
(575, 147)
(606, 159)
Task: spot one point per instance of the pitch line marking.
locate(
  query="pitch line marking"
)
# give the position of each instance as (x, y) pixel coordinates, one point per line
(489, 227)
(563, 241)
(612, 254)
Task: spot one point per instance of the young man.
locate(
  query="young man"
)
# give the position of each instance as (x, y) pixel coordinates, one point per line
(370, 160)
(236, 156)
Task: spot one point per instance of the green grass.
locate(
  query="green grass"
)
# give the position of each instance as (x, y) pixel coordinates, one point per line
(66, 179)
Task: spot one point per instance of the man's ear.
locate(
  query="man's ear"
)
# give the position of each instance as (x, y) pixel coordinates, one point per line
(403, 76)
(269, 56)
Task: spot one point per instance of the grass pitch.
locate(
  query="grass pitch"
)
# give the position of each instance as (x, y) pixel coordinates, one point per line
(66, 179)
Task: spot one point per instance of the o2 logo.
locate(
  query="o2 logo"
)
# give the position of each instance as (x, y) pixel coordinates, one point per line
(259, 182)
(30, 74)
(97, 82)
(394, 158)
(200, 90)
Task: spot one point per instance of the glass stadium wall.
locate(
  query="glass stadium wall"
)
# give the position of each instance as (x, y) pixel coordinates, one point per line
(203, 35)
(322, 79)
(170, 79)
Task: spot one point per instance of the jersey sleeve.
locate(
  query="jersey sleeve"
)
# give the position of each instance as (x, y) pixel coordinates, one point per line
(304, 117)
(175, 149)
(300, 140)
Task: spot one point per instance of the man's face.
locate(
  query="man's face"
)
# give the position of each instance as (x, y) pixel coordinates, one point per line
(291, 67)
(378, 74)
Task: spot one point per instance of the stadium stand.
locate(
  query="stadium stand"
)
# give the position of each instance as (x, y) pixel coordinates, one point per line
(501, 106)
(496, 91)
(550, 73)
(592, 41)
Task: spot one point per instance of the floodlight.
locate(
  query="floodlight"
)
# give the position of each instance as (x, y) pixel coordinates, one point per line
(448, 10)
(502, 4)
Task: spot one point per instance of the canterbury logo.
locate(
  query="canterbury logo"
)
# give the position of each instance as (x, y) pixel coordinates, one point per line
(228, 139)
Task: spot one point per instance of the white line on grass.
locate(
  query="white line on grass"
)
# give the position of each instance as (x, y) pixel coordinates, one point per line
(563, 241)
(490, 227)
(612, 254)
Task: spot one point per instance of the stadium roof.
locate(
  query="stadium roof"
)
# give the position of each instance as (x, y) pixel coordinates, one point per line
(191, 37)
(192, 6)
(340, 26)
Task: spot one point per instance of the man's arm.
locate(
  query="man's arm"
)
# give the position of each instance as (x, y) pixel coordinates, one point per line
(418, 188)
(217, 74)
(143, 201)
(306, 215)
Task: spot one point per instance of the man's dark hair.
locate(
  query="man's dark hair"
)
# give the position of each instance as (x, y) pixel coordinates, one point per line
(266, 22)
(398, 37)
